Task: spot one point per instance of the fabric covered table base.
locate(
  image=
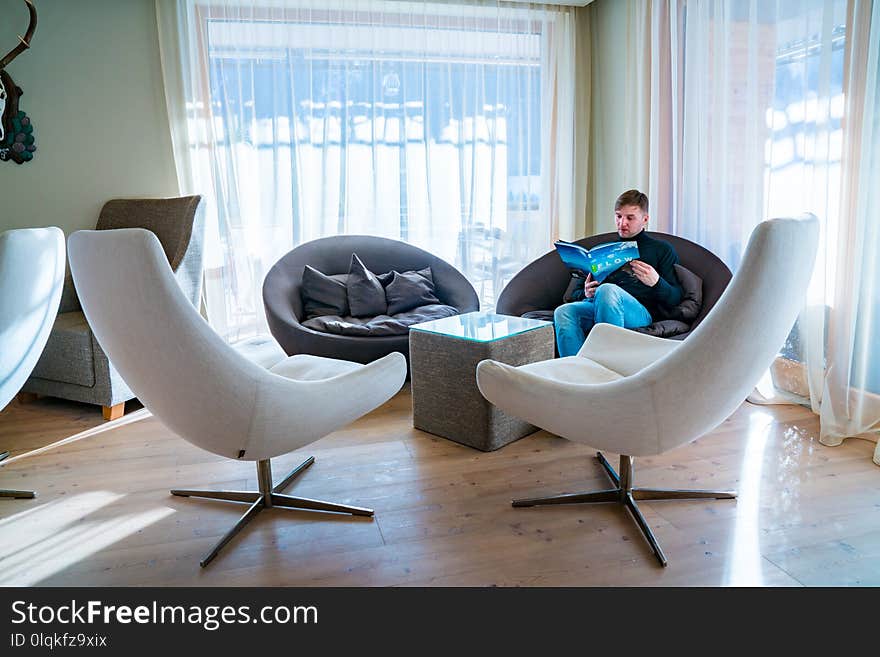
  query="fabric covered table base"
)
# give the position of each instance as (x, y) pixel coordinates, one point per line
(446, 400)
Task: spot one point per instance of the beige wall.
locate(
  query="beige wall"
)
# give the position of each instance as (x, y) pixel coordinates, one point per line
(619, 110)
(92, 84)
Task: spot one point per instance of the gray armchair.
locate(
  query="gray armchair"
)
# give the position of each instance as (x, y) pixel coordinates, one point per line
(332, 255)
(73, 365)
(539, 288)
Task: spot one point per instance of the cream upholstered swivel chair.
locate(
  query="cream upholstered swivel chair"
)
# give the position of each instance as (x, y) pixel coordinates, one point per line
(638, 395)
(203, 389)
(31, 278)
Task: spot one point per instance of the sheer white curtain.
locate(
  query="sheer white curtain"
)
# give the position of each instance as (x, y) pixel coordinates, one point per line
(448, 125)
(850, 400)
(769, 109)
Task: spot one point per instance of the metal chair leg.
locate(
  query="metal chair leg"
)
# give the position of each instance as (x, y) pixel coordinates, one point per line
(660, 494)
(599, 496)
(609, 469)
(249, 515)
(15, 494)
(18, 494)
(630, 504)
(293, 474)
(245, 496)
(290, 502)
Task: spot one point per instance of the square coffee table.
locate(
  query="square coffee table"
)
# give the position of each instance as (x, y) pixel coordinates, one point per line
(443, 356)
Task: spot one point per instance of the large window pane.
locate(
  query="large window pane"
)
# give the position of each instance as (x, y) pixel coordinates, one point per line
(368, 124)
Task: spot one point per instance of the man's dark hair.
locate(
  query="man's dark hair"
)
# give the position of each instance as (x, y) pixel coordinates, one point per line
(632, 197)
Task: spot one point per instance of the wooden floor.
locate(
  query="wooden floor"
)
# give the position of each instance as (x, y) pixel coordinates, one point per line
(806, 514)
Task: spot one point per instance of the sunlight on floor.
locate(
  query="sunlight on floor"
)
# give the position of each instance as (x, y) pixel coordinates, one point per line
(88, 433)
(48, 539)
(745, 565)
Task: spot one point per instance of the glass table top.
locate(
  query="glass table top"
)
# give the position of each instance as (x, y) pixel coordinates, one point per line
(480, 326)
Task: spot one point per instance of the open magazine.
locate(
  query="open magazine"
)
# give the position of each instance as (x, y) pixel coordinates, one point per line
(599, 261)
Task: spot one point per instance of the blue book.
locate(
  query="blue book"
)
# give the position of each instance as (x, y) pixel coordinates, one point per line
(599, 261)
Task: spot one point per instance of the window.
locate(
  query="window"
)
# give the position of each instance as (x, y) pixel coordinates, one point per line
(425, 128)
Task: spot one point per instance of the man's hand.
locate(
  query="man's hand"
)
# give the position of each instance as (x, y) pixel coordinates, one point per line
(590, 287)
(645, 272)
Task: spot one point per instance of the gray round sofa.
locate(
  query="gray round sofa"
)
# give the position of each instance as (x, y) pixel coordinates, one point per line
(332, 255)
(540, 286)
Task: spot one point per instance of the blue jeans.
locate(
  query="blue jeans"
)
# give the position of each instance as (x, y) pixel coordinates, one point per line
(610, 305)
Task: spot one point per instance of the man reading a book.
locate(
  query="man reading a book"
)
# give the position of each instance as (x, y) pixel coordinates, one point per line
(629, 296)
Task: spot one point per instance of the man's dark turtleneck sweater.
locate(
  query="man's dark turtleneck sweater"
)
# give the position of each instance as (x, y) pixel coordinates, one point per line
(661, 256)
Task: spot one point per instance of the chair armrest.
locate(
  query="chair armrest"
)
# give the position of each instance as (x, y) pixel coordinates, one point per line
(290, 413)
(623, 351)
(600, 415)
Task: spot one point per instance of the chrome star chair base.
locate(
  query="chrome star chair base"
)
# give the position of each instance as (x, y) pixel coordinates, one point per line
(625, 494)
(16, 494)
(267, 497)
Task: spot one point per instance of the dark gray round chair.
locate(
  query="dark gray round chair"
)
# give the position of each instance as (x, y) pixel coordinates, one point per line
(332, 255)
(541, 285)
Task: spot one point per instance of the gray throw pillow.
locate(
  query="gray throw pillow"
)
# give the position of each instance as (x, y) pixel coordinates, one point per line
(366, 296)
(410, 289)
(692, 297)
(386, 278)
(322, 294)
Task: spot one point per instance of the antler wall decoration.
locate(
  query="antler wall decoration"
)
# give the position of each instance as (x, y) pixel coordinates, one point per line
(16, 130)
